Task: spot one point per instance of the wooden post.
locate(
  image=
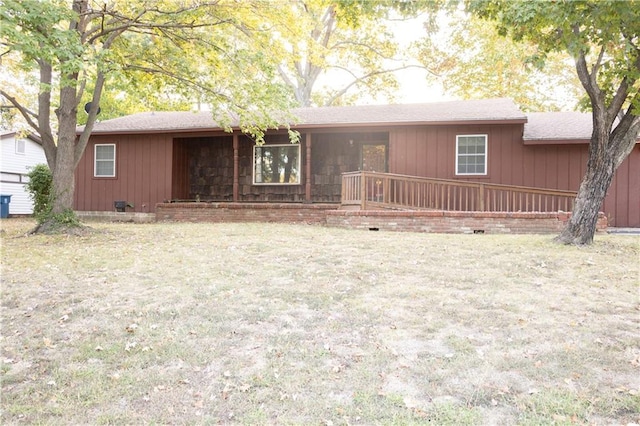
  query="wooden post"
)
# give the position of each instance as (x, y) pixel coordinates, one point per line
(307, 188)
(481, 196)
(236, 169)
(385, 190)
(363, 191)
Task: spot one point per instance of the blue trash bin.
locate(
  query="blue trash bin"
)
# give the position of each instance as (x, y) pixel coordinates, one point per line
(5, 200)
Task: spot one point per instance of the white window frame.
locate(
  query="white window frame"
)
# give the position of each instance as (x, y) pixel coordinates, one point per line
(95, 160)
(21, 146)
(288, 145)
(486, 154)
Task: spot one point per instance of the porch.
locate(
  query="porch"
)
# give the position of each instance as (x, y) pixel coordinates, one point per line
(389, 202)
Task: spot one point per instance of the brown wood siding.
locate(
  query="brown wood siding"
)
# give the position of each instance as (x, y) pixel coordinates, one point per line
(154, 168)
(430, 152)
(622, 204)
(143, 174)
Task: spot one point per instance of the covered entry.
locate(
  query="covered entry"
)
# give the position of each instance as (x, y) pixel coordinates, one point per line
(222, 167)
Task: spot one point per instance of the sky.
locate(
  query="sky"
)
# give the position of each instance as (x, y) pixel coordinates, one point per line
(416, 86)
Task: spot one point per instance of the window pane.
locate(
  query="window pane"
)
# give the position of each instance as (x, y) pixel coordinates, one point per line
(472, 156)
(104, 152)
(104, 168)
(277, 164)
(105, 161)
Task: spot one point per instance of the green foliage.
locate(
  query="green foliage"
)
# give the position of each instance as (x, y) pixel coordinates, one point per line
(602, 33)
(39, 188)
(602, 38)
(346, 42)
(66, 219)
(139, 55)
(475, 62)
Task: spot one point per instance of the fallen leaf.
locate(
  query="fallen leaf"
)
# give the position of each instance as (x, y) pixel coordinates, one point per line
(48, 343)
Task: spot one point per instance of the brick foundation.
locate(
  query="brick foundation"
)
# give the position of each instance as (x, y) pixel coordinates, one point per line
(383, 220)
(244, 212)
(454, 222)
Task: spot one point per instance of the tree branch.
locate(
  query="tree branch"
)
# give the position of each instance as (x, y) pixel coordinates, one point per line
(590, 86)
(365, 45)
(625, 135)
(27, 114)
(91, 119)
(366, 76)
(623, 89)
(179, 78)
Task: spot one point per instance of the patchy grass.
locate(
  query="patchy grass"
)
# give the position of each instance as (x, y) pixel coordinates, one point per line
(266, 323)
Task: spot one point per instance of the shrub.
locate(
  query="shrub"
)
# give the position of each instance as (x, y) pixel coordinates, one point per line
(39, 188)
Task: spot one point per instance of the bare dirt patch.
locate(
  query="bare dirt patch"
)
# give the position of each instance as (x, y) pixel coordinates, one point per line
(269, 323)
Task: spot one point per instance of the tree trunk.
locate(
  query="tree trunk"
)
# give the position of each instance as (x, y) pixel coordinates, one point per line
(64, 168)
(582, 225)
(63, 178)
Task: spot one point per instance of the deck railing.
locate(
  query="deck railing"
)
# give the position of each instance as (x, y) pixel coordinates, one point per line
(385, 190)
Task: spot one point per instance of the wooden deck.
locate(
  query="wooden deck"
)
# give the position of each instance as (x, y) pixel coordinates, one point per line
(372, 190)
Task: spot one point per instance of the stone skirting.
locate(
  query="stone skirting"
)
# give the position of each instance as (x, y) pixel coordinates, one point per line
(244, 212)
(454, 222)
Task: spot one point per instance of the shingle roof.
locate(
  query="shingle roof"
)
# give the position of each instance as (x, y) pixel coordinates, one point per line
(558, 126)
(475, 111)
(31, 136)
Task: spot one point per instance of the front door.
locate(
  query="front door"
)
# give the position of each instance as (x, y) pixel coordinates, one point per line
(374, 158)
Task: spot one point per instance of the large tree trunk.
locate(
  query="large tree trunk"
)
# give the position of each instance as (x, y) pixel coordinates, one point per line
(64, 168)
(582, 225)
(607, 150)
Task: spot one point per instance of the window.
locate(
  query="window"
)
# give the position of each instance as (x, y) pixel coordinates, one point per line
(105, 160)
(471, 155)
(20, 146)
(276, 164)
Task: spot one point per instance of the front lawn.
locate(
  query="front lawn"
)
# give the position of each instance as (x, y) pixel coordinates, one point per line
(268, 323)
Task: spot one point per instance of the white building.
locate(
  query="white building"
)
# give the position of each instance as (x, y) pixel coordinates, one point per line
(17, 157)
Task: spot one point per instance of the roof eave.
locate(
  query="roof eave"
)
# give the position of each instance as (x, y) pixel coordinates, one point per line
(409, 123)
(555, 141)
(302, 126)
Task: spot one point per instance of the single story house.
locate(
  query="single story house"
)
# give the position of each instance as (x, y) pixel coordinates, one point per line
(19, 155)
(155, 157)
